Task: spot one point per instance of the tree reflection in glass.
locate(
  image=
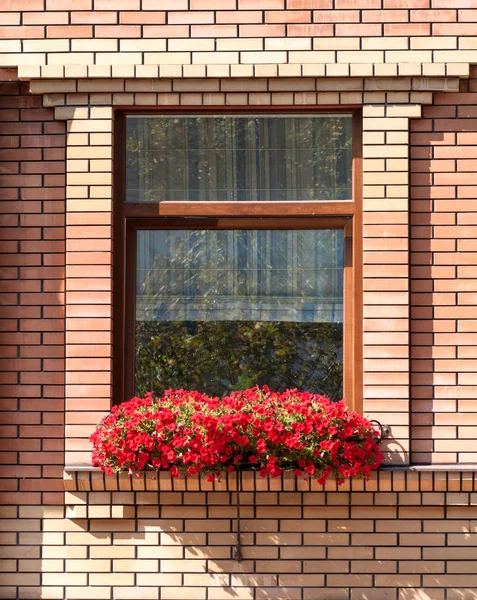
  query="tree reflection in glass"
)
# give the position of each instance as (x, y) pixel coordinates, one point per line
(218, 310)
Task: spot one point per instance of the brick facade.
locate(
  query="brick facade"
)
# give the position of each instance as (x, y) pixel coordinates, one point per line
(65, 67)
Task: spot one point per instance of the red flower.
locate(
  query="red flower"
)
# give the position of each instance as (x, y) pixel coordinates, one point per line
(190, 433)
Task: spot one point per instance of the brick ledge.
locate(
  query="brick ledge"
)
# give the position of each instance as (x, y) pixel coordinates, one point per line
(416, 478)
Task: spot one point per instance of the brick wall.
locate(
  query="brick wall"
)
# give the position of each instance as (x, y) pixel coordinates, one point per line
(403, 536)
(238, 37)
(443, 272)
(32, 208)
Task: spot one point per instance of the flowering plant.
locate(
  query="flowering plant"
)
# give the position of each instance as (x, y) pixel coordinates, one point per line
(189, 433)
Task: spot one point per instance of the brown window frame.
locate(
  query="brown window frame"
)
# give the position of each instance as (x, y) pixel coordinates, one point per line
(129, 217)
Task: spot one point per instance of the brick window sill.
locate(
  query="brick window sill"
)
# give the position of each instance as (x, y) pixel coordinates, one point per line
(90, 494)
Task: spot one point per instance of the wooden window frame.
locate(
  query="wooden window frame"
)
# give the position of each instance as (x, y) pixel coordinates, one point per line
(130, 217)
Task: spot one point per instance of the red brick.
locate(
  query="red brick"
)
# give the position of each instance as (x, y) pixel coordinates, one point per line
(140, 18)
(69, 31)
(166, 31)
(261, 4)
(213, 31)
(408, 29)
(433, 16)
(23, 33)
(361, 30)
(237, 17)
(184, 18)
(117, 5)
(288, 16)
(310, 30)
(460, 29)
(94, 17)
(44, 18)
(380, 16)
(117, 31)
(262, 30)
(26, 5)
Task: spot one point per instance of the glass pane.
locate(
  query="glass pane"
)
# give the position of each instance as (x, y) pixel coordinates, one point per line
(234, 158)
(224, 310)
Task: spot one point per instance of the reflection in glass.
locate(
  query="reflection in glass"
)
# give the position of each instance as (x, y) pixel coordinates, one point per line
(238, 158)
(218, 310)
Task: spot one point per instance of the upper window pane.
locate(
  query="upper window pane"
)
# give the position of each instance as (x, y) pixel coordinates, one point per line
(238, 158)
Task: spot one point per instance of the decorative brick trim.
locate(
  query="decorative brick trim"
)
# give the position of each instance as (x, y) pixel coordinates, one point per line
(394, 480)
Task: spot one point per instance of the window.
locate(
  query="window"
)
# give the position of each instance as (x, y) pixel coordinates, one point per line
(235, 235)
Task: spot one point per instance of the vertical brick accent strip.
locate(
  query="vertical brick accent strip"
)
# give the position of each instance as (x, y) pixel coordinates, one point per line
(89, 234)
(444, 279)
(32, 255)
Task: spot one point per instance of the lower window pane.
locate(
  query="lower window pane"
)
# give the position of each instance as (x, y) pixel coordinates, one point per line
(222, 310)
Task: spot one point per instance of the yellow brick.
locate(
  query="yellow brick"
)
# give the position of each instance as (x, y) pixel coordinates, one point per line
(81, 593)
(100, 139)
(287, 44)
(145, 99)
(217, 71)
(458, 70)
(265, 70)
(122, 70)
(148, 45)
(351, 98)
(385, 70)
(398, 137)
(170, 70)
(410, 68)
(140, 566)
(167, 58)
(79, 58)
(411, 56)
(123, 99)
(385, 43)
(328, 98)
(147, 538)
(188, 45)
(88, 566)
(183, 593)
(64, 579)
(136, 593)
(385, 124)
(159, 579)
(52, 71)
(396, 164)
(109, 579)
(337, 70)
(226, 44)
(89, 179)
(361, 70)
(94, 45)
(297, 580)
(389, 178)
(86, 538)
(315, 70)
(148, 85)
(369, 56)
(151, 71)
(254, 580)
(314, 56)
(111, 552)
(118, 58)
(30, 46)
(241, 71)
(344, 43)
(90, 125)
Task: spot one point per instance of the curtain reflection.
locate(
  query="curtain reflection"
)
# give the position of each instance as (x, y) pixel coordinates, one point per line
(238, 158)
(220, 310)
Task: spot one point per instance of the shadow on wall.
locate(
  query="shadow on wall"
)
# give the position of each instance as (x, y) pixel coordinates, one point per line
(331, 559)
